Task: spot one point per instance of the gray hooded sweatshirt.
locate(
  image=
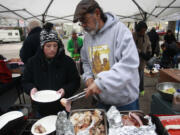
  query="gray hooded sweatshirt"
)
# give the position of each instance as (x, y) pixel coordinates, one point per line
(111, 58)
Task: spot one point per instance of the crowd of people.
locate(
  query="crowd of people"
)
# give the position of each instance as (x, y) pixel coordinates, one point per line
(170, 51)
(113, 59)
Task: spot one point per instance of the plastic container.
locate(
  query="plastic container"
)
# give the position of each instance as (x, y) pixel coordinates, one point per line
(176, 102)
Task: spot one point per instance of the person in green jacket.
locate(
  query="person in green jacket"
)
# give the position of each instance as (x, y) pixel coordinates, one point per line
(74, 45)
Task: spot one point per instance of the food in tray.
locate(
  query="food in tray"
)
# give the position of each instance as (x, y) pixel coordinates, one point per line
(91, 120)
(39, 129)
(169, 90)
(132, 119)
(153, 71)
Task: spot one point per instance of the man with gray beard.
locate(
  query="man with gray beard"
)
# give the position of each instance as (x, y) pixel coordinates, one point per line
(110, 58)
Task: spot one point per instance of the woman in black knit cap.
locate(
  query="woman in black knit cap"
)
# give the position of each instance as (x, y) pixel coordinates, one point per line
(51, 69)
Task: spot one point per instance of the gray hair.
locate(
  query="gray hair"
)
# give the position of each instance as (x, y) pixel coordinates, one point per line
(33, 24)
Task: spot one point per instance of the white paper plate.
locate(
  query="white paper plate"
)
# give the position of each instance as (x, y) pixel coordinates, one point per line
(46, 96)
(48, 122)
(9, 116)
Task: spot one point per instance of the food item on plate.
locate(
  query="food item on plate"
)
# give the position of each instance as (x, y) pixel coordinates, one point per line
(169, 90)
(132, 119)
(146, 71)
(39, 129)
(92, 120)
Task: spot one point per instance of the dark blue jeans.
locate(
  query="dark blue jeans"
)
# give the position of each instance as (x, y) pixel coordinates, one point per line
(132, 106)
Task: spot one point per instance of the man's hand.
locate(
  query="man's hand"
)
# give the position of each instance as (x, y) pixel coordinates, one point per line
(92, 89)
(33, 91)
(89, 82)
(62, 92)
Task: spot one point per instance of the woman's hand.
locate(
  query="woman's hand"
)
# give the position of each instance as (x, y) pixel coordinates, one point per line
(33, 91)
(62, 92)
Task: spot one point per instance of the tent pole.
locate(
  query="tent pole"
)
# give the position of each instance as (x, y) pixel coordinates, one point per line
(163, 9)
(25, 29)
(152, 12)
(128, 24)
(12, 12)
(18, 23)
(166, 8)
(62, 18)
(135, 24)
(145, 17)
(138, 5)
(32, 15)
(124, 17)
(140, 9)
(45, 12)
(178, 30)
(43, 18)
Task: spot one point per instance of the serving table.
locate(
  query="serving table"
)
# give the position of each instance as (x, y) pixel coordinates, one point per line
(169, 75)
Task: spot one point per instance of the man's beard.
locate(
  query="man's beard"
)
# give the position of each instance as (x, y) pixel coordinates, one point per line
(92, 32)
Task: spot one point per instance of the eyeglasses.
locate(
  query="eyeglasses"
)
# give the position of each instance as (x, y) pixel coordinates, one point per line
(84, 20)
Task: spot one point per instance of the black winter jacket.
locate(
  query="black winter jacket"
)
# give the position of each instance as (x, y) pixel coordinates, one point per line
(61, 72)
(31, 44)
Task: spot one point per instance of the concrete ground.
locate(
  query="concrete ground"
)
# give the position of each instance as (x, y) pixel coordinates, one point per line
(12, 51)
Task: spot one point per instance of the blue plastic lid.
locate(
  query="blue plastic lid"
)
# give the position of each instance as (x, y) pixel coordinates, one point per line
(178, 90)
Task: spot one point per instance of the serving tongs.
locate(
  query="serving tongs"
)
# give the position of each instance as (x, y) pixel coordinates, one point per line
(77, 96)
(66, 102)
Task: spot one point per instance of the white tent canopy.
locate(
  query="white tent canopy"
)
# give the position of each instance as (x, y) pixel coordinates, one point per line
(127, 10)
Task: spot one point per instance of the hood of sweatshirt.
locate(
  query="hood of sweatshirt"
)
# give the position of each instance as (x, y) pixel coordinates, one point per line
(112, 19)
